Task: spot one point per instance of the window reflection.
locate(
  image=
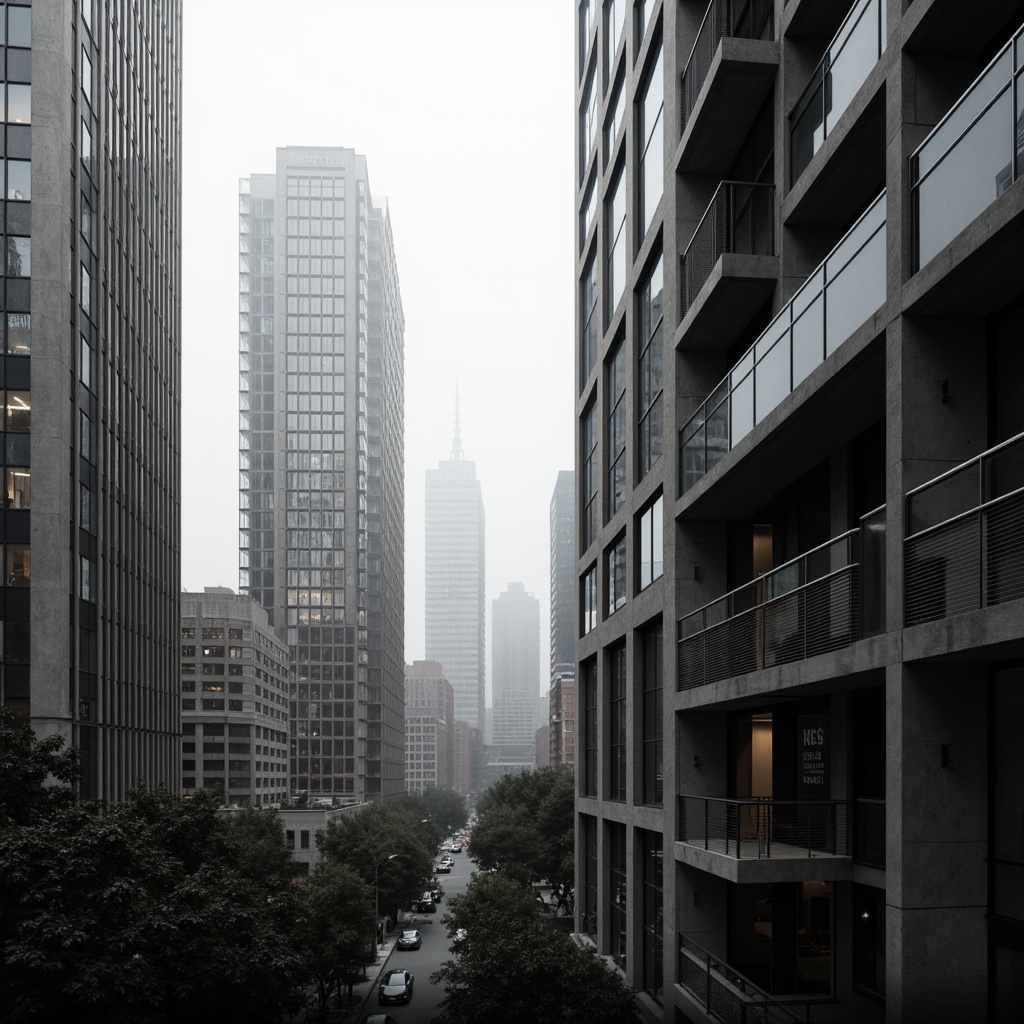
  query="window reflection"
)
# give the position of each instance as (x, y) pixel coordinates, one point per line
(19, 334)
(19, 565)
(19, 487)
(19, 104)
(19, 411)
(19, 179)
(19, 257)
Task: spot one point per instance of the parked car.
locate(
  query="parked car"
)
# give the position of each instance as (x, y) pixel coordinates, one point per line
(395, 987)
(381, 1018)
(410, 939)
(442, 868)
(436, 894)
(425, 906)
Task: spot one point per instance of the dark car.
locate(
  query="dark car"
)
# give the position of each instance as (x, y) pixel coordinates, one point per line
(395, 987)
(425, 907)
(410, 939)
(441, 868)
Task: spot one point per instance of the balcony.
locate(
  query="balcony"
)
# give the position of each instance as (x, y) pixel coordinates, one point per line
(964, 548)
(765, 840)
(970, 159)
(824, 600)
(850, 56)
(721, 993)
(729, 268)
(730, 71)
(841, 294)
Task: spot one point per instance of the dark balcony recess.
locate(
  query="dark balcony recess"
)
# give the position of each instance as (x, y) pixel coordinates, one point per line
(729, 268)
(730, 71)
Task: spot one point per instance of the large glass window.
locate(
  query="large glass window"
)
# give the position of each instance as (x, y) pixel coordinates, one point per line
(588, 317)
(651, 145)
(19, 565)
(19, 179)
(588, 122)
(653, 913)
(588, 448)
(618, 891)
(19, 487)
(19, 334)
(18, 108)
(649, 357)
(615, 575)
(19, 26)
(588, 692)
(651, 709)
(19, 257)
(617, 723)
(651, 544)
(614, 122)
(615, 242)
(588, 600)
(588, 905)
(615, 18)
(18, 411)
(617, 429)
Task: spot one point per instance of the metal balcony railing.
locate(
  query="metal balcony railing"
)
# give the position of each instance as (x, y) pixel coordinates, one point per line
(727, 995)
(847, 63)
(741, 219)
(737, 19)
(765, 829)
(841, 294)
(972, 155)
(964, 548)
(813, 604)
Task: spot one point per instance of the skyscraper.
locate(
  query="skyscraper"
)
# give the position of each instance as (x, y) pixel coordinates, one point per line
(321, 458)
(92, 352)
(454, 592)
(561, 699)
(800, 653)
(515, 631)
(429, 728)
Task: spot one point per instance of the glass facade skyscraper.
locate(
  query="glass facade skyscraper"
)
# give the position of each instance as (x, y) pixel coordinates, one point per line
(91, 337)
(322, 461)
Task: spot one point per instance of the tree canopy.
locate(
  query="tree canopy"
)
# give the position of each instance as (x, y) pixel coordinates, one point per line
(444, 809)
(36, 776)
(509, 967)
(525, 829)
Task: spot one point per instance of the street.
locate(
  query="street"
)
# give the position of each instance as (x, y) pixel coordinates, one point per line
(428, 958)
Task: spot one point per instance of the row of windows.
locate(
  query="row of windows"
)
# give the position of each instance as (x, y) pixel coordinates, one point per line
(649, 548)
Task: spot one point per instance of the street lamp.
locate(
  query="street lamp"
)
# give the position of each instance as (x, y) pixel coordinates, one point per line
(376, 898)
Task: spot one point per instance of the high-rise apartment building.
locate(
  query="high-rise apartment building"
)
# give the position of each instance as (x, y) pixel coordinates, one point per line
(454, 594)
(91, 337)
(800, 651)
(515, 673)
(321, 458)
(429, 728)
(234, 700)
(561, 700)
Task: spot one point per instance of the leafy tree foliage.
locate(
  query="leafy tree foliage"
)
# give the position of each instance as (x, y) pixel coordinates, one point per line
(256, 845)
(509, 967)
(36, 776)
(334, 925)
(366, 842)
(138, 915)
(444, 809)
(526, 830)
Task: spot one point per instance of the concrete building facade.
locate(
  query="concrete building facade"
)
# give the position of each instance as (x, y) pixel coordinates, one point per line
(800, 632)
(429, 728)
(454, 575)
(90, 333)
(234, 700)
(321, 460)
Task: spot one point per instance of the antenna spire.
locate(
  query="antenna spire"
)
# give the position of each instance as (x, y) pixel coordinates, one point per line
(457, 439)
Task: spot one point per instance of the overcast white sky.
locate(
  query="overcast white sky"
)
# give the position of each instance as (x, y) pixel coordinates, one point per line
(464, 111)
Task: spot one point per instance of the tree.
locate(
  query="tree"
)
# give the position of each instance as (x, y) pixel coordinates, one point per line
(37, 777)
(554, 980)
(366, 841)
(255, 840)
(334, 908)
(526, 829)
(444, 809)
(138, 915)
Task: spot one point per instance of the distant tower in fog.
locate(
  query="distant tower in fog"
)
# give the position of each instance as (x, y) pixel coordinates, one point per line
(454, 592)
(516, 666)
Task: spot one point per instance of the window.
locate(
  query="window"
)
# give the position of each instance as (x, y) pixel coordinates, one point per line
(650, 133)
(616, 429)
(651, 544)
(588, 122)
(19, 179)
(615, 242)
(304, 839)
(19, 411)
(588, 611)
(19, 256)
(652, 905)
(588, 447)
(19, 487)
(614, 122)
(19, 334)
(85, 591)
(586, 28)
(19, 565)
(19, 104)
(651, 709)
(588, 680)
(615, 575)
(85, 363)
(85, 296)
(617, 891)
(649, 358)
(589, 319)
(586, 220)
(615, 19)
(19, 26)
(617, 723)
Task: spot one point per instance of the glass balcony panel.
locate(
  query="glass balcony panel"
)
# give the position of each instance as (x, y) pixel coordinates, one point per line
(856, 293)
(961, 117)
(771, 378)
(743, 367)
(742, 409)
(694, 462)
(949, 497)
(851, 58)
(809, 337)
(719, 394)
(808, 132)
(968, 180)
(718, 435)
(1003, 472)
